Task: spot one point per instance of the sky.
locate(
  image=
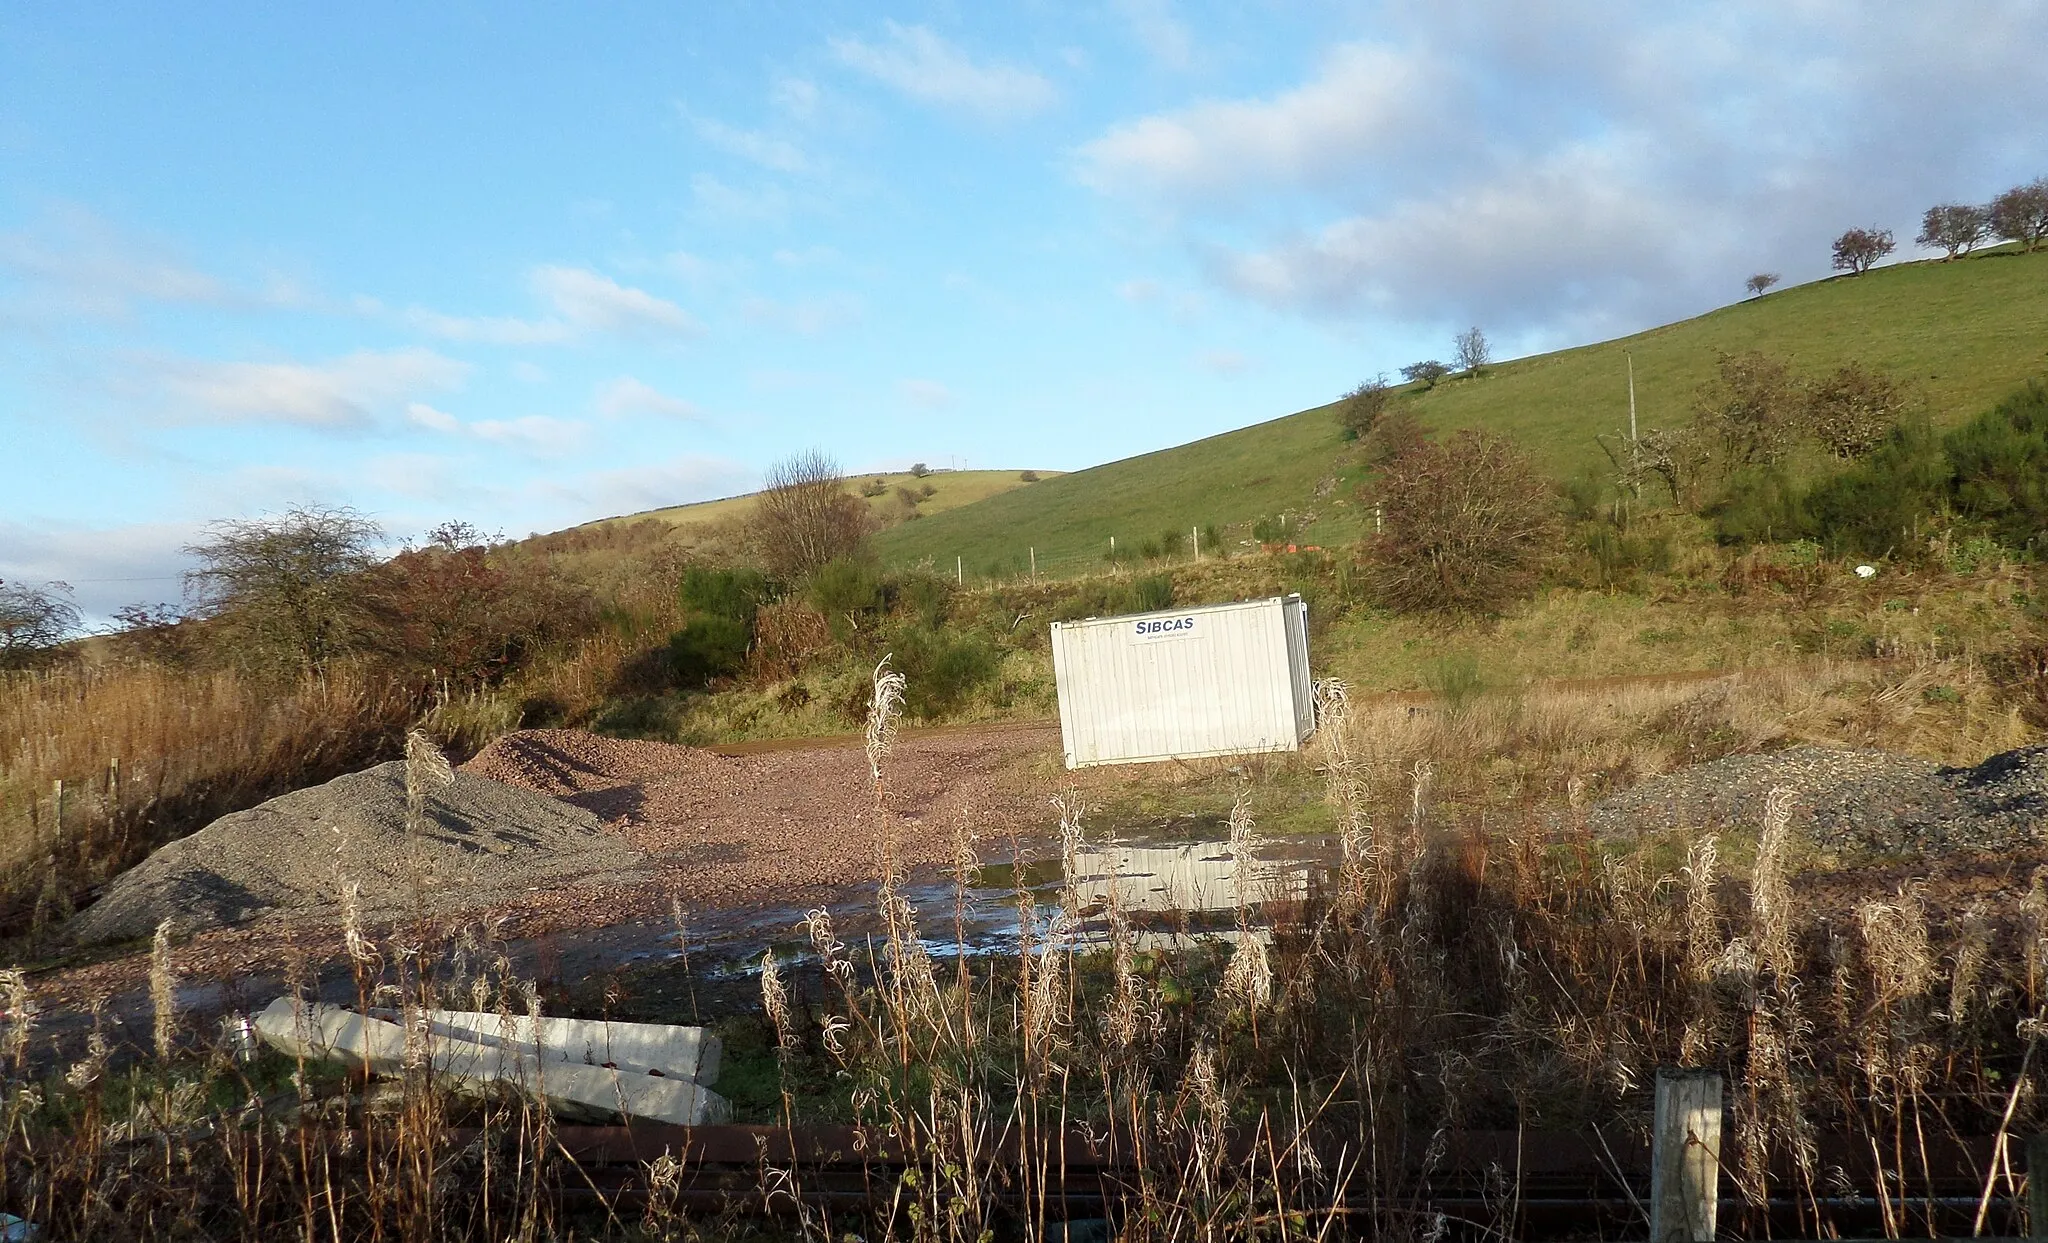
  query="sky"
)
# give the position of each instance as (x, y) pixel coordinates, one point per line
(530, 265)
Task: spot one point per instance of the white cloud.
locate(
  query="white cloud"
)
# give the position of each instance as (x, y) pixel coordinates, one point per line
(626, 396)
(527, 373)
(929, 394)
(795, 98)
(1163, 36)
(534, 434)
(583, 303)
(1364, 98)
(347, 392)
(805, 316)
(1223, 362)
(79, 263)
(678, 481)
(770, 152)
(1570, 171)
(424, 415)
(721, 201)
(918, 63)
(597, 303)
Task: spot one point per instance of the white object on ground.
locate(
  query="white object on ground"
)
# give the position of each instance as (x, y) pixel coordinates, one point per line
(1866, 571)
(635, 1048)
(573, 1090)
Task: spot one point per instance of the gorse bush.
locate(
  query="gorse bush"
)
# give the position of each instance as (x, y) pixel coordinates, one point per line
(715, 640)
(847, 592)
(1152, 593)
(2000, 465)
(943, 668)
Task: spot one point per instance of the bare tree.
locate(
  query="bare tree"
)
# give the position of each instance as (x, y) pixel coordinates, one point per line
(287, 588)
(1426, 373)
(1469, 523)
(1760, 282)
(1473, 351)
(33, 620)
(1857, 249)
(1953, 227)
(805, 517)
(2021, 214)
(1852, 411)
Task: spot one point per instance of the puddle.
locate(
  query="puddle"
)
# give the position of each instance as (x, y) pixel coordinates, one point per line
(1178, 890)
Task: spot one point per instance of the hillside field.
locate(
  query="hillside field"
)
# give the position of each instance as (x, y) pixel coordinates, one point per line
(1963, 334)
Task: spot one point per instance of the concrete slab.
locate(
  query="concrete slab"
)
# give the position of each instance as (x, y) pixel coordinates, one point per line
(573, 1090)
(636, 1048)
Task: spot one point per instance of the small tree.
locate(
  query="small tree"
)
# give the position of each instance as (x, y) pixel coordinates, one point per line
(1852, 411)
(1468, 525)
(1361, 408)
(919, 469)
(1426, 373)
(806, 518)
(1759, 283)
(2021, 214)
(287, 589)
(1953, 227)
(33, 620)
(1857, 249)
(1473, 351)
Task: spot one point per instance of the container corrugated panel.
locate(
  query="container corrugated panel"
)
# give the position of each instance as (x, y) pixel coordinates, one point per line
(1226, 679)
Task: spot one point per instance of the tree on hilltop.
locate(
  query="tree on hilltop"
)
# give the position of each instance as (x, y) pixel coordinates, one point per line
(1857, 249)
(1473, 350)
(2021, 214)
(1426, 373)
(1759, 283)
(1953, 227)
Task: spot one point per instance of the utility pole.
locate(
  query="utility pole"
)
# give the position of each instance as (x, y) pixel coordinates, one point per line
(1631, 395)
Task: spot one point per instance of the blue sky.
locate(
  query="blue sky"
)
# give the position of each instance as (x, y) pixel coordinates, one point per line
(528, 265)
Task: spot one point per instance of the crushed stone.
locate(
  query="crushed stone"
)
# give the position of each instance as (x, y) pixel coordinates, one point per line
(481, 839)
(1851, 800)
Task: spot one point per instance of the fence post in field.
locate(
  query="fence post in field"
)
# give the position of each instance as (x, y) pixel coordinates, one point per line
(2037, 1187)
(1034, 562)
(1685, 1156)
(1197, 533)
(57, 809)
(959, 572)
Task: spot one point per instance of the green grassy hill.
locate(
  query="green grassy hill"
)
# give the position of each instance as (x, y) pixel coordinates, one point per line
(1963, 333)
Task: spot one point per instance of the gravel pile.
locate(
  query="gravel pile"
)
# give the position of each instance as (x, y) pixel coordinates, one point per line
(482, 840)
(1856, 800)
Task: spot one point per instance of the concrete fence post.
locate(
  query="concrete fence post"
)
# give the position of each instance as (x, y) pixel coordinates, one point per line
(1685, 1157)
(2037, 1187)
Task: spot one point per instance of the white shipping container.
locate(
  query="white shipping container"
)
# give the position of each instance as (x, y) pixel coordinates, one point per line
(1224, 679)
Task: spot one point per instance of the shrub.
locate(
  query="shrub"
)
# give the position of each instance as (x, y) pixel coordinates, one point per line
(1360, 409)
(926, 492)
(1029, 476)
(2000, 465)
(288, 589)
(874, 487)
(1468, 525)
(925, 596)
(1398, 434)
(1152, 593)
(1879, 506)
(2021, 214)
(708, 647)
(1759, 506)
(920, 470)
(1457, 679)
(1850, 412)
(846, 591)
(941, 669)
(1272, 530)
(1212, 541)
(1173, 541)
(735, 594)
